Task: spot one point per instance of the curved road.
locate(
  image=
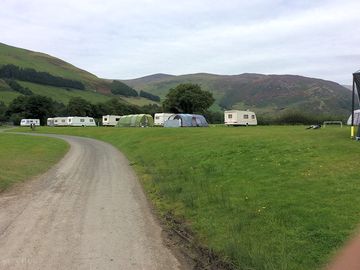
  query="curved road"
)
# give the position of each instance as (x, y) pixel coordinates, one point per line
(87, 212)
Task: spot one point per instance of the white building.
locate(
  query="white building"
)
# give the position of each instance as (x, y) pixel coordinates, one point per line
(240, 118)
(110, 120)
(28, 122)
(160, 118)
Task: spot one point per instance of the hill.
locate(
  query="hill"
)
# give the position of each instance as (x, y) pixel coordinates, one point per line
(258, 92)
(95, 89)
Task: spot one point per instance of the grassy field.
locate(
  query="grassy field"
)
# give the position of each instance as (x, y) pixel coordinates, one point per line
(22, 157)
(261, 197)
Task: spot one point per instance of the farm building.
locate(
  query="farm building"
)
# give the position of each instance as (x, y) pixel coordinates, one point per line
(28, 122)
(136, 120)
(356, 118)
(160, 118)
(186, 120)
(110, 120)
(240, 118)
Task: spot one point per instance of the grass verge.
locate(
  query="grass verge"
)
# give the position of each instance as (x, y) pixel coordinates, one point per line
(22, 157)
(260, 197)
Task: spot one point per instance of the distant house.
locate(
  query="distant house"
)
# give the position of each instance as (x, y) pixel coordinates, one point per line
(240, 118)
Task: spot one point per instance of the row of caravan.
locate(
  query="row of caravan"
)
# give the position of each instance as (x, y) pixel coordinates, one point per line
(233, 117)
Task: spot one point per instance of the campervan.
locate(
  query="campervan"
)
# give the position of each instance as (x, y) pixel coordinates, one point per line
(240, 118)
(78, 121)
(110, 120)
(29, 122)
(160, 118)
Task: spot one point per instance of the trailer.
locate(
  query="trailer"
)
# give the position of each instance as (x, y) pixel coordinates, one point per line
(29, 122)
(240, 118)
(110, 120)
(60, 121)
(160, 118)
(78, 121)
(50, 122)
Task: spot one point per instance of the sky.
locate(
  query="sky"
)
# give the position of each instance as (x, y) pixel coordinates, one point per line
(124, 39)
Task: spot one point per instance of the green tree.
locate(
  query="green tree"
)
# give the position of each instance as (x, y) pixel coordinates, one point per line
(35, 106)
(79, 107)
(188, 98)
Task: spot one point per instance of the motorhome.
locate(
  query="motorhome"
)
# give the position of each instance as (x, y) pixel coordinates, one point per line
(160, 118)
(78, 121)
(29, 122)
(110, 120)
(240, 118)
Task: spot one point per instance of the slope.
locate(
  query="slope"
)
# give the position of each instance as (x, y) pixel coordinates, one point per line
(262, 93)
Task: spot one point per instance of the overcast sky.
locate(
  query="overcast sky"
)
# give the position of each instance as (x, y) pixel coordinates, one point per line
(121, 39)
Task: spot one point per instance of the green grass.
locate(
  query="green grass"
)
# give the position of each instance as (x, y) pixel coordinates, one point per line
(8, 96)
(261, 197)
(22, 157)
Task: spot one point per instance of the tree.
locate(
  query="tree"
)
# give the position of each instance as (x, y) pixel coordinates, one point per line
(188, 98)
(79, 107)
(120, 88)
(35, 106)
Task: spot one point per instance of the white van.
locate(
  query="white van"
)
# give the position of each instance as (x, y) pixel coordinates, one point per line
(160, 118)
(28, 122)
(78, 121)
(240, 118)
(110, 120)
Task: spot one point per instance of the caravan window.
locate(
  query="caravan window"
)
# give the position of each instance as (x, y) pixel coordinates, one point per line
(229, 116)
(246, 116)
(91, 120)
(253, 117)
(63, 120)
(105, 119)
(82, 120)
(157, 117)
(117, 119)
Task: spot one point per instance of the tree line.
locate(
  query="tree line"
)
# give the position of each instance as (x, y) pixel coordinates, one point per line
(120, 88)
(31, 75)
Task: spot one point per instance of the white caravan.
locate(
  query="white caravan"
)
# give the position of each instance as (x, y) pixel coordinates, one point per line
(60, 121)
(28, 122)
(50, 122)
(160, 118)
(78, 121)
(240, 118)
(110, 120)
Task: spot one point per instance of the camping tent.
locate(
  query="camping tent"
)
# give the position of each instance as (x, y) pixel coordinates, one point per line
(356, 118)
(136, 120)
(186, 120)
(356, 86)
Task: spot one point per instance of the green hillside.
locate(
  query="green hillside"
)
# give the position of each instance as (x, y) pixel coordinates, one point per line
(261, 93)
(96, 89)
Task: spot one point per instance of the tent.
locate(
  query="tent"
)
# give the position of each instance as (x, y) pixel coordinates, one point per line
(186, 120)
(136, 120)
(355, 86)
(356, 118)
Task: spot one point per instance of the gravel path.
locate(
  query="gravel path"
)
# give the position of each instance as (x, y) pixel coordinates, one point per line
(87, 212)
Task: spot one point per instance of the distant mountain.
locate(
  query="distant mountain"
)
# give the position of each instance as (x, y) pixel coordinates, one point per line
(258, 92)
(96, 89)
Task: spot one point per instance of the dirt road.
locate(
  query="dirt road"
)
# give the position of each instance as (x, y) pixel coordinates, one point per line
(88, 212)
